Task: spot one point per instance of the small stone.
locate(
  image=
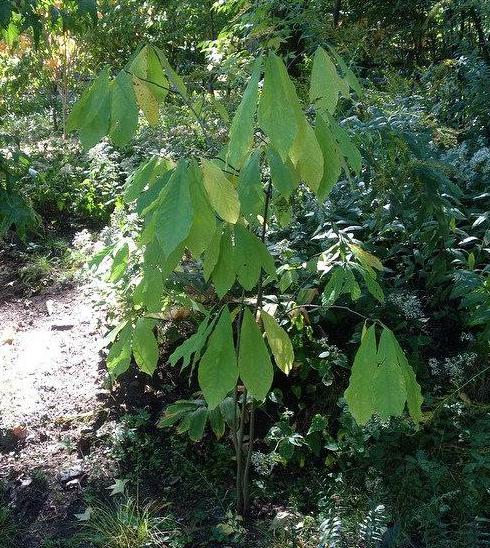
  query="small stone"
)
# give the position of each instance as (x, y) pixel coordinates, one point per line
(70, 474)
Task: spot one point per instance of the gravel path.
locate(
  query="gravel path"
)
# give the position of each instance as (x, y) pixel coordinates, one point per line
(51, 404)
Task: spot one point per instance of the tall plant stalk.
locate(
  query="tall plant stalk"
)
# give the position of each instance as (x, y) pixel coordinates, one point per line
(243, 469)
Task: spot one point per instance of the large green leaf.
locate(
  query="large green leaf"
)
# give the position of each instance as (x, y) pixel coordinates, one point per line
(331, 158)
(149, 291)
(347, 146)
(212, 253)
(284, 177)
(221, 192)
(204, 219)
(360, 393)
(119, 357)
(347, 72)
(198, 420)
(307, 156)
(119, 263)
(149, 82)
(174, 215)
(124, 112)
(224, 273)
(91, 114)
(218, 372)
(242, 126)
(279, 106)
(250, 188)
(172, 76)
(412, 388)
(325, 82)
(250, 256)
(145, 347)
(279, 342)
(254, 362)
(193, 345)
(381, 380)
(389, 387)
(137, 181)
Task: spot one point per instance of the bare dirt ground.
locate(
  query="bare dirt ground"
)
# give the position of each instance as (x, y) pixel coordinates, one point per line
(51, 405)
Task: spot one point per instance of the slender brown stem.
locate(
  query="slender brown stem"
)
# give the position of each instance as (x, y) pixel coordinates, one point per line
(246, 472)
(238, 438)
(245, 475)
(239, 464)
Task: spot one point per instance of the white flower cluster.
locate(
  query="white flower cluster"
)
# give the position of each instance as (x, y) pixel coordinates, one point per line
(454, 367)
(408, 303)
(83, 241)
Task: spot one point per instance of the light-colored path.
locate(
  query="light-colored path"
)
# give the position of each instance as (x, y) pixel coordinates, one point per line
(49, 357)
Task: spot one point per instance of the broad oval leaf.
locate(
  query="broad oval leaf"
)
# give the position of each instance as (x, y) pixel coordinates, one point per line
(254, 362)
(174, 214)
(218, 372)
(242, 126)
(279, 342)
(119, 357)
(279, 106)
(145, 347)
(221, 192)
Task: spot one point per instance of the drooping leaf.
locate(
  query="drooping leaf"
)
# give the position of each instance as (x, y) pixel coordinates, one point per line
(412, 388)
(197, 424)
(250, 256)
(145, 347)
(279, 106)
(381, 380)
(212, 253)
(119, 263)
(254, 362)
(137, 181)
(326, 84)
(347, 72)
(149, 82)
(124, 113)
(360, 393)
(347, 147)
(279, 342)
(366, 258)
(174, 214)
(193, 344)
(283, 174)
(148, 200)
(389, 386)
(218, 372)
(149, 291)
(175, 412)
(172, 76)
(119, 357)
(307, 156)
(204, 219)
(372, 285)
(221, 192)
(217, 422)
(91, 114)
(224, 273)
(331, 158)
(242, 126)
(250, 189)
